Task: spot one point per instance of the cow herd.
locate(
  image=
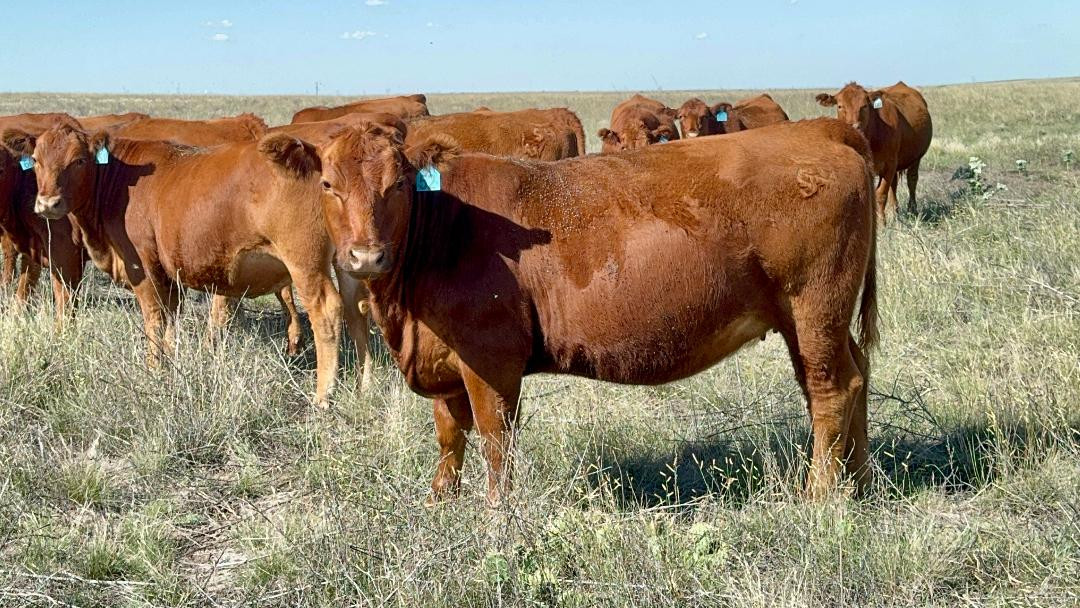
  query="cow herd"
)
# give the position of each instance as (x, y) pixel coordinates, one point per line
(487, 246)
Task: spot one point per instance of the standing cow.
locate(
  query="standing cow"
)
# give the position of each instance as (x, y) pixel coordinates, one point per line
(638, 122)
(549, 134)
(696, 118)
(897, 123)
(403, 106)
(240, 219)
(508, 269)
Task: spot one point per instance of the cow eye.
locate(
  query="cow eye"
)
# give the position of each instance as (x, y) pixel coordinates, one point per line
(326, 185)
(79, 162)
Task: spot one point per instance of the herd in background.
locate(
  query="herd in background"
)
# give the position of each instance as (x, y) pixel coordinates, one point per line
(477, 267)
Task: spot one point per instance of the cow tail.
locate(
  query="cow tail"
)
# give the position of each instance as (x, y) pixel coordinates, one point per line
(868, 312)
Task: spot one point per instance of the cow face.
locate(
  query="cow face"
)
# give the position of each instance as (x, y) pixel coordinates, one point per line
(854, 105)
(695, 118)
(634, 135)
(64, 164)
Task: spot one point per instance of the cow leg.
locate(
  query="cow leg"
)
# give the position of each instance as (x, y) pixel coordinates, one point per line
(833, 383)
(222, 311)
(354, 297)
(321, 299)
(152, 306)
(64, 282)
(494, 409)
(912, 182)
(7, 249)
(31, 272)
(857, 450)
(885, 193)
(893, 203)
(453, 421)
(293, 328)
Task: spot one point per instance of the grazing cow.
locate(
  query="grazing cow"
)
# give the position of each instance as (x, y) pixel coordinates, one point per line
(897, 123)
(25, 235)
(696, 118)
(516, 267)
(551, 134)
(404, 107)
(638, 122)
(96, 123)
(240, 219)
(216, 132)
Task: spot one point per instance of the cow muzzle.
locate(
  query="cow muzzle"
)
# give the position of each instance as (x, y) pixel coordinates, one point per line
(50, 207)
(367, 261)
(691, 133)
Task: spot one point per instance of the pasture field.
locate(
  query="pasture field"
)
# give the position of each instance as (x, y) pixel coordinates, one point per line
(212, 482)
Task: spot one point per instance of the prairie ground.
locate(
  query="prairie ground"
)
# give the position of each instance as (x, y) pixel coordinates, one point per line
(212, 482)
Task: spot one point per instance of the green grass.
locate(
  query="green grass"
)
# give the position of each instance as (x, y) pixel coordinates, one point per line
(212, 482)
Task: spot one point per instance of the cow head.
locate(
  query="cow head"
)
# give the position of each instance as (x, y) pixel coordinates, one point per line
(696, 118)
(854, 105)
(635, 134)
(366, 178)
(65, 166)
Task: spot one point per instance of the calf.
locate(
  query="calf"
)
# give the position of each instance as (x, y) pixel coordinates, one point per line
(514, 267)
(404, 107)
(897, 123)
(638, 122)
(536, 134)
(696, 118)
(240, 219)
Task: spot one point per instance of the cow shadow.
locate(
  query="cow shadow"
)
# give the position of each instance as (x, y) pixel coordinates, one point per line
(736, 469)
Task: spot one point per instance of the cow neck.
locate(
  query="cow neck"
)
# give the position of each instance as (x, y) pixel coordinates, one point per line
(19, 211)
(432, 221)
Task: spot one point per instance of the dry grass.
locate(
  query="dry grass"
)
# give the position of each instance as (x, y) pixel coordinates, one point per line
(212, 483)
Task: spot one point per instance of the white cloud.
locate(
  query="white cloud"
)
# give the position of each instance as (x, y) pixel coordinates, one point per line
(220, 37)
(701, 36)
(430, 24)
(374, 2)
(357, 35)
(223, 23)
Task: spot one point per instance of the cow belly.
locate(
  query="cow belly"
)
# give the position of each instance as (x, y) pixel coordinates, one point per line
(245, 274)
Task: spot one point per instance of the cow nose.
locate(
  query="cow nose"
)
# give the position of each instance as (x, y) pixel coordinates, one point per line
(49, 207)
(368, 261)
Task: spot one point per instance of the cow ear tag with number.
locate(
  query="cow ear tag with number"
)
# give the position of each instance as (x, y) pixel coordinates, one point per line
(428, 179)
(102, 156)
(721, 116)
(26, 163)
(878, 103)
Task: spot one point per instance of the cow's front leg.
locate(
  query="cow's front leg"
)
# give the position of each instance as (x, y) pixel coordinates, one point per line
(494, 401)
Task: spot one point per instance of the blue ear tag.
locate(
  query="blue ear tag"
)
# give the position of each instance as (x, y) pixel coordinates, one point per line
(26, 163)
(878, 103)
(428, 179)
(721, 116)
(102, 156)
(663, 139)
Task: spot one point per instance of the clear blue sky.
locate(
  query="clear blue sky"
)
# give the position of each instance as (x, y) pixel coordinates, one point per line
(380, 46)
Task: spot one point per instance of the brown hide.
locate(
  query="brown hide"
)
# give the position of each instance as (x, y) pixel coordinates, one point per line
(404, 107)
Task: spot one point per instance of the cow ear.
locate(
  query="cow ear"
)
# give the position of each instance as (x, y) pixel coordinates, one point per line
(669, 112)
(608, 136)
(825, 99)
(723, 106)
(666, 132)
(435, 151)
(295, 155)
(19, 143)
(99, 141)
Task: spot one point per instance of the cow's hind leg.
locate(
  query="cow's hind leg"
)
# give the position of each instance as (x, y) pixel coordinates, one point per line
(833, 383)
(912, 183)
(222, 311)
(293, 328)
(354, 298)
(453, 421)
(857, 450)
